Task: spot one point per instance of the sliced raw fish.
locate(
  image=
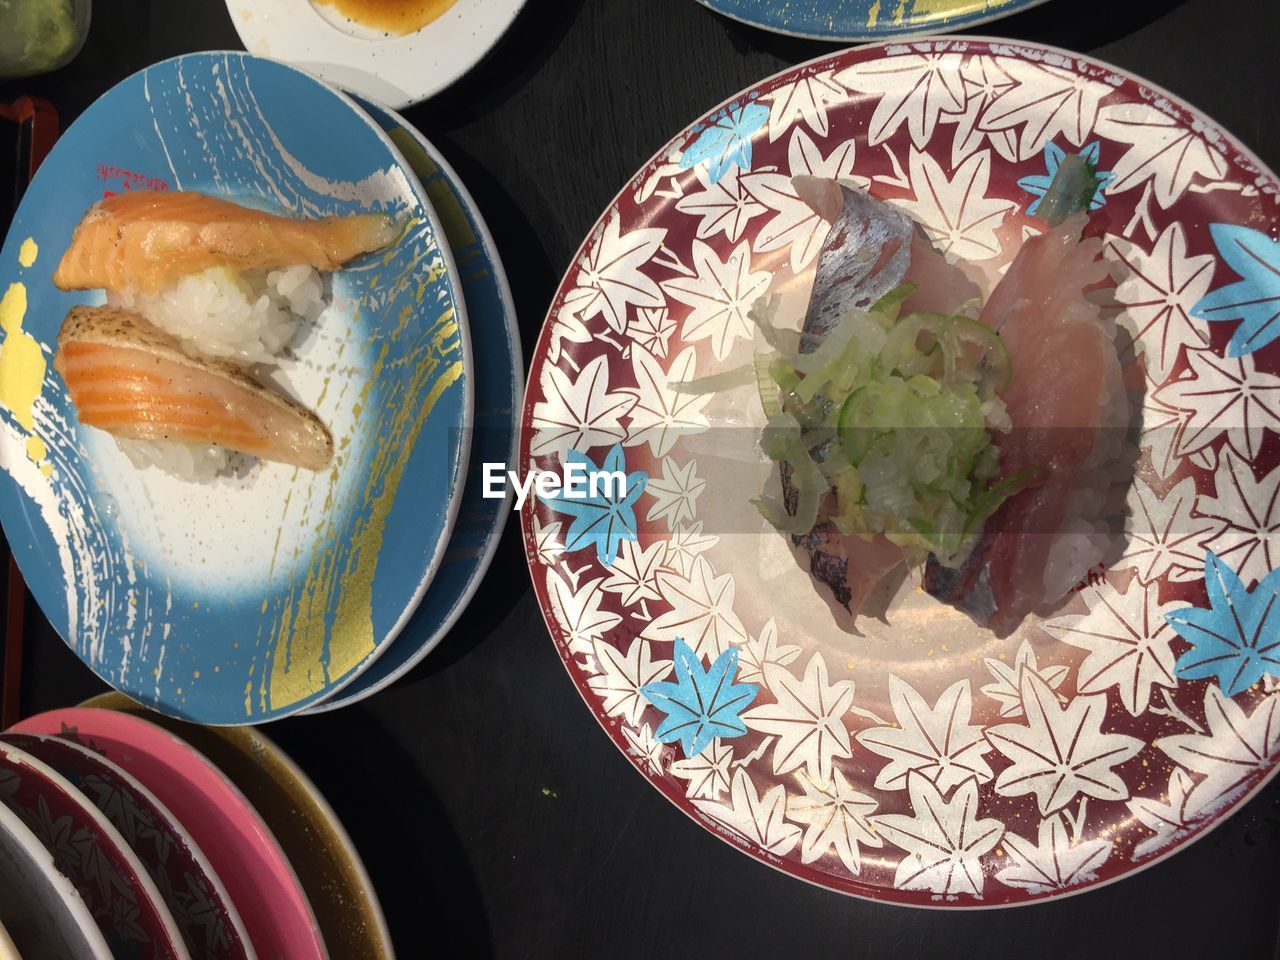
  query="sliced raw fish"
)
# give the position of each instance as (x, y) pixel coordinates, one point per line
(128, 378)
(142, 239)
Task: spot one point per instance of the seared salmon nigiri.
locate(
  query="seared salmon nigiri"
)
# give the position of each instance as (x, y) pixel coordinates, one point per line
(142, 239)
(130, 379)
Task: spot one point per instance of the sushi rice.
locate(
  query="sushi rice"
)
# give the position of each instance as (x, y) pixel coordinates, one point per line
(245, 318)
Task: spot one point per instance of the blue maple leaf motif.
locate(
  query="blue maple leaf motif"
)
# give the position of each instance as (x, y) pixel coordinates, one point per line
(700, 705)
(1254, 299)
(1236, 639)
(1039, 184)
(726, 140)
(604, 516)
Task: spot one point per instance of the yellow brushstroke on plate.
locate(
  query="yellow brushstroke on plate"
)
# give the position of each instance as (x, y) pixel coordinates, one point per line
(873, 15)
(324, 627)
(457, 229)
(22, 363)
(28, 252)
(943, 9)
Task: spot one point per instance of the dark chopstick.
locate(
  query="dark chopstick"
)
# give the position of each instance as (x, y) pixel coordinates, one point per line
(15, 609)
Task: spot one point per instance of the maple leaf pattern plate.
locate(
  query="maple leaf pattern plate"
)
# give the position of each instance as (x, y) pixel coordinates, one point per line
(913, 757)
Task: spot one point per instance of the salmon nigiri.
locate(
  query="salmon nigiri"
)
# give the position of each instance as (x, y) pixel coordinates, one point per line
(130, 379)
(140, 240)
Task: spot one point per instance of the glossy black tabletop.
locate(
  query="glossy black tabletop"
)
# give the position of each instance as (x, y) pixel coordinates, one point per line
(495, 817)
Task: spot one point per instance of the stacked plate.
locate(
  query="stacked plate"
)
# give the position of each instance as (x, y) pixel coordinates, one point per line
(123, 834)
(269, 590)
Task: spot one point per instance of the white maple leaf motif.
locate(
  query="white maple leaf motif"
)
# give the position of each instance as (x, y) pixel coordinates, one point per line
(642, 745)
(1166, 818)
(610, 280)
(1162, 427)
(577, 413)
(661, 415)
(807, 718)
(675, 494)
(936, 741)
(579, 612)
(701, 611)
(759, 820)
(1161, 150)
(1158, 291)
(1166, 535)
(804, 101)
(651, 329)
(984, 82)
(622, 675)
(1236, 750)
(760, 652)
(794, 225)
(548, 541)
(1053, 861)
(945, 839)
(708, 773)
(956, 213)
(1248, 513)
(1044, 103)
(915, 89)
(1128, 642)
(686, 543)
(725, 206)
(633, 575)
(721, 293)
(1006, 690)
(836, 817)
(1061, 751)
(1224, 397)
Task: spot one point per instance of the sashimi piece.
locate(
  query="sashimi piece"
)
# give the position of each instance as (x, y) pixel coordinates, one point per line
(128, 378)
(1068, 408)
(864, 257)
(871, 248)
(140, 240)
(941, 287)
(869, 251)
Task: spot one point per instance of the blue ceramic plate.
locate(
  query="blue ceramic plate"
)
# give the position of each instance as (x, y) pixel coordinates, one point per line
(499, 384)
(866, 19)
(257, 595)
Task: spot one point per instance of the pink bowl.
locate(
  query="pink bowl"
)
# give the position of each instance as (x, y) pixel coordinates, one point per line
(258, 877)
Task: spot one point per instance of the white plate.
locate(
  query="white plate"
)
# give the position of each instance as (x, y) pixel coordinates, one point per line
(40, 905)
(398, 71)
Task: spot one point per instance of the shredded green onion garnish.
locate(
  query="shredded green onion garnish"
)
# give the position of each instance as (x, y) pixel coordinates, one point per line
(894, 416)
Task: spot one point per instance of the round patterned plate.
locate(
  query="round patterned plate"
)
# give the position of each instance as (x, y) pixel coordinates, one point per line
(124, 901)
(191, 890)
(254, 596)
(263, 886)
(866, 19)
(399, 70)
(328, 865)
(41, 908)
(499, 383)
(914, 757)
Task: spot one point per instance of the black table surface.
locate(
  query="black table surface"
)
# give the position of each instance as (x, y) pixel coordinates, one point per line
(495, 818)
